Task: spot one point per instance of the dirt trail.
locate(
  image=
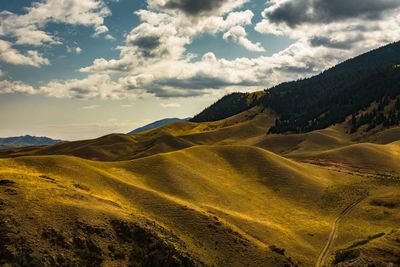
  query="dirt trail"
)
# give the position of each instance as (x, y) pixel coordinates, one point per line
(333, 234)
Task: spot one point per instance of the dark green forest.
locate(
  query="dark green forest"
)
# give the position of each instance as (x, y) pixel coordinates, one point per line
(227, 106)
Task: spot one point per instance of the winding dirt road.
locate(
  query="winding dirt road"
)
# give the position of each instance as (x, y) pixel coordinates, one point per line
(333, 234)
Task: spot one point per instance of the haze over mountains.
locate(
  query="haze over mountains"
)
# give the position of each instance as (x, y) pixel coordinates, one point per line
(24, 141)
(304, 174)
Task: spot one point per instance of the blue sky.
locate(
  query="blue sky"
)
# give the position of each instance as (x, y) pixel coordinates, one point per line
(76, 69)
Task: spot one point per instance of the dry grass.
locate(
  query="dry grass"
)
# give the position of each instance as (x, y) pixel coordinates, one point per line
(220, 193)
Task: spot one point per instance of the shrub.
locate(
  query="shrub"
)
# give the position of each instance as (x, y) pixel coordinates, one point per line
(346, 255)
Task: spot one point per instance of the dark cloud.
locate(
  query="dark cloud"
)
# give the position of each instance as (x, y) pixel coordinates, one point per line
(193, 86)
(147, 44)
(79, 92)
(194, 7)
(295, 12)
(201, 81)
(327, 42)
(171, 93)
(310, 68)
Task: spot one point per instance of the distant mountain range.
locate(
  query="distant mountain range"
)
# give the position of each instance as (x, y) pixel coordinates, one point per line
(27, 140)
(157, 124)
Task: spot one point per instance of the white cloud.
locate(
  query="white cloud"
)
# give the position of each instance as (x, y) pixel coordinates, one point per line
(154, 61)
(98, 30)
(13, 56)
(170, 105)
(28, 28)
(8, 87)
(321, 41)
(238, 34)
(76, 50)
(109, 37)
(94, 86)
(30, 35)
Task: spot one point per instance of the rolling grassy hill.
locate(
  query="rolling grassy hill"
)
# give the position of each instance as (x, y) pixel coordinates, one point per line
(211, 193)
(210, 205)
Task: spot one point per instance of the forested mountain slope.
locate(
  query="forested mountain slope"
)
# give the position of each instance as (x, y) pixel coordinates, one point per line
(328, 98)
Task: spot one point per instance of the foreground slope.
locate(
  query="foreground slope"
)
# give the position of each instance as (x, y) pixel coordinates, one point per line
(185, 203)
(205, 205)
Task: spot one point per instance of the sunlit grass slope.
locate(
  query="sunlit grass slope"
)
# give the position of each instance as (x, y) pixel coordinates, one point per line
(366, 156)
(216, 193)
(237, 129)
(219, 204)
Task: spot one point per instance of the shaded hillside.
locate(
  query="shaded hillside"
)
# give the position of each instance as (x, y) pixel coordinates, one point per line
(157, 124)
(27, 140)
(328, 98)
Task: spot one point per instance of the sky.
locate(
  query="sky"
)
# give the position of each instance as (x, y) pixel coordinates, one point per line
(79, 69)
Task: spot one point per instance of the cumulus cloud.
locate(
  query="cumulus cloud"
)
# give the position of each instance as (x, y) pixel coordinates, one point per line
(13, 56)
(160, 40)
(28, 28)
(238, 35)
(153, 59)
(8, 87)
(327, 32)
(197, 7)
(295, 12)
(94, 86)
